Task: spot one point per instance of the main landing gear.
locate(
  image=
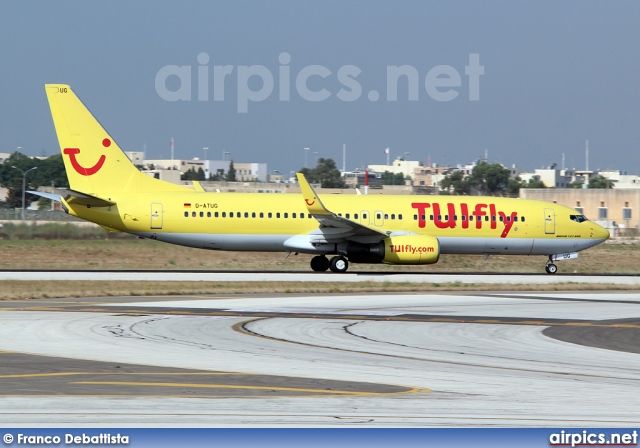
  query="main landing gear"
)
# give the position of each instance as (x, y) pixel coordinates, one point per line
(550, 267)
(320, 263)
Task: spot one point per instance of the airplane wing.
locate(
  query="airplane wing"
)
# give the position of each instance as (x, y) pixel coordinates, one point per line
(332, 227)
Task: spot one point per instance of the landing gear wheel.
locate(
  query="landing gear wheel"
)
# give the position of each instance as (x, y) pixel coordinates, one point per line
(551, 268)
(339, 264)
(319, 263)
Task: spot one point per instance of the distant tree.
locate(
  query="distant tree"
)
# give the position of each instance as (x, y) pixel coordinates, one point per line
(231, 174)
(513, 186)
(489, 179)
(600, 182)
(388, 178)
(50, 171)
(455, 183)
(325, 173)
(533, 183)
(190, 174)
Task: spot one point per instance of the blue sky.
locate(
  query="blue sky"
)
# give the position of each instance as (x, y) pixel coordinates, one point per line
(555, 74)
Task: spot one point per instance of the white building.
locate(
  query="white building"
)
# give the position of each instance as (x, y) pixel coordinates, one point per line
(406, 167)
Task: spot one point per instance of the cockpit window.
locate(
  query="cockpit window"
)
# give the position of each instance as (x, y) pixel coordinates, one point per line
(578, 218)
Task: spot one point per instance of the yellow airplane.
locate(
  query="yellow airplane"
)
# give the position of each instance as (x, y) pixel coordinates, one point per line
(107, 189)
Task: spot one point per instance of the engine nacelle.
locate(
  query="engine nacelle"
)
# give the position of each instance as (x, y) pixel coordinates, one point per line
(403, 249)
(411, 249)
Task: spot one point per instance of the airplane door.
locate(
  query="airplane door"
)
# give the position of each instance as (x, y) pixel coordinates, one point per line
(364, 217)
(549, 221)
(156, 215)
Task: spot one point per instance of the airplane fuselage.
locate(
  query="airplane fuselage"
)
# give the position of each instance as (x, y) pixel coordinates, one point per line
(271, 222)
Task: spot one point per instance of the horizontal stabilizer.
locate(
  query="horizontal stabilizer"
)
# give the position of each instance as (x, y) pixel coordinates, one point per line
(53, 197)
(75, 198)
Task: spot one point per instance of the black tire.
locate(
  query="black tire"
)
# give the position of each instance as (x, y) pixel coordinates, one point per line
(551, 268)
(339, 264)
(319, 263)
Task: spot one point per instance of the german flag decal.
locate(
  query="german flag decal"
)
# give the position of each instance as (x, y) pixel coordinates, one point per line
(187, 205)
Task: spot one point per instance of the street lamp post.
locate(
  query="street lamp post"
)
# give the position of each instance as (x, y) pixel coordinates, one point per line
(280, 174)
(306, 151)
(406, 166)
(24, 184)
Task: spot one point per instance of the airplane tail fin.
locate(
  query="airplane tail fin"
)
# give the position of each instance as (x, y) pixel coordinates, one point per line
(94, 163)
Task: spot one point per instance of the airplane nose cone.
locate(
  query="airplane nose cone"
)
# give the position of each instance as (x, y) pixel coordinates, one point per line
(600, 232)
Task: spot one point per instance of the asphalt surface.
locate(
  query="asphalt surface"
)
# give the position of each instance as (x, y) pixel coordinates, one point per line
(394, 359)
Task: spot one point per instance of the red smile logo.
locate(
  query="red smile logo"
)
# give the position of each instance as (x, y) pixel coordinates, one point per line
(310, 203)
(71, 152)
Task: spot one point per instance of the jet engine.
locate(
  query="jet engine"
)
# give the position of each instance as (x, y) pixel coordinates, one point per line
(403, 249)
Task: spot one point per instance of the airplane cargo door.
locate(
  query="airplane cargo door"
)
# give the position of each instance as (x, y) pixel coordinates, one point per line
(156, 215)
(549, 221)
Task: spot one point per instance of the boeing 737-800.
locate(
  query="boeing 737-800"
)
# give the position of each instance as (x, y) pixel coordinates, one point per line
(107, 189)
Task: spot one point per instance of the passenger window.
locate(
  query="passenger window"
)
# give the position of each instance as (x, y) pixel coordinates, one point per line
(270, 215)
(415, 217)
(293, 215)
(202, 214)
(501, 219)
(278, 215)
(246, 214)
(522, 219)
(224, 214)
(400, 217)
(186, 214)
(230, 214)
(208, 214)
(393, 216)
(261, 214)
(253, 214)
(193, 214)
(455, 217)
(355, 216)
(471, 218)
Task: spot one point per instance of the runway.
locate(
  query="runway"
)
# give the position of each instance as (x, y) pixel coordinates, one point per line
(324, 277)
(459, 359)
